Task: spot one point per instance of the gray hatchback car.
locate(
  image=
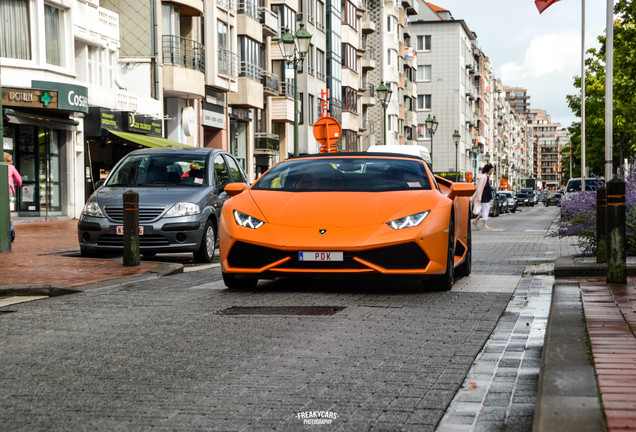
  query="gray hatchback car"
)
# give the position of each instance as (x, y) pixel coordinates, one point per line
(181, 193)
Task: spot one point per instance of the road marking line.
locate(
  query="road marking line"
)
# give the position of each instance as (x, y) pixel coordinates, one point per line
(201, 267)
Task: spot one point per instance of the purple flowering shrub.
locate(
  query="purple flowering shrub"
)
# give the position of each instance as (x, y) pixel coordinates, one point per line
(578, 217)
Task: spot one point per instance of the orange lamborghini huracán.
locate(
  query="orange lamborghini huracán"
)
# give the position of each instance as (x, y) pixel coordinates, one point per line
(347, 214)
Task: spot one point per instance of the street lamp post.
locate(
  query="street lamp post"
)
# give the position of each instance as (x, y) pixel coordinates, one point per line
(384, 94)
(456, 138)
(293, 48)
(476, 153)
(431, 127)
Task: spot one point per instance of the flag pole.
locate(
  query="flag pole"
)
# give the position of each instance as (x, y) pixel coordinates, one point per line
(609, 89)
(583, 164)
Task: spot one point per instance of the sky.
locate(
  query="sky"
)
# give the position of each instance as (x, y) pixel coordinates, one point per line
(539, 52)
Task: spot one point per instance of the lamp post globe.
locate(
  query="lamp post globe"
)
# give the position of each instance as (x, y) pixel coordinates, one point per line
(431, 126)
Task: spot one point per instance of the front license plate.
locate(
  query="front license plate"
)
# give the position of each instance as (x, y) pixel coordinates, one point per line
(320, 256)
(120, 230)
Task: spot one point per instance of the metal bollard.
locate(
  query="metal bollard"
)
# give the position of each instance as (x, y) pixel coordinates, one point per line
(131, 229)
(601, 225)
(5, 213)
(616, 241)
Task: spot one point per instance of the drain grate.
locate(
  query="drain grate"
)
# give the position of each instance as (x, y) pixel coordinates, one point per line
(282, 310)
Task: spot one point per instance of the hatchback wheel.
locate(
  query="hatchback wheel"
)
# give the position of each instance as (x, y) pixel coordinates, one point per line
(205, 254)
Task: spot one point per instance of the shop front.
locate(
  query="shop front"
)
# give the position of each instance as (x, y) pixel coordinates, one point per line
(41, 128)
(111, 135)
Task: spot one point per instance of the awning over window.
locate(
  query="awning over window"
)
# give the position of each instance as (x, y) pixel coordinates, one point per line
(147, 141)
(28, 118)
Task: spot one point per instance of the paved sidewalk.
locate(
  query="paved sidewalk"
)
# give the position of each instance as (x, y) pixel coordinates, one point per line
(45, 256)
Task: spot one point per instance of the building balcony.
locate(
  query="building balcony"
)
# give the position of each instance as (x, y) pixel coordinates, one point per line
(183, 52)
(270, 22)
(401, 17)
(368, 60)
(367, 25)
(250, 87)
(189, 7)
(368, 97)
(249, 8)
(227, 65)
(282, 106)
(270, 83)
(266, 143)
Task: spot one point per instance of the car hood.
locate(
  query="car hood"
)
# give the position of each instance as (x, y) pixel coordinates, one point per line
(149, 196)
(341, 209)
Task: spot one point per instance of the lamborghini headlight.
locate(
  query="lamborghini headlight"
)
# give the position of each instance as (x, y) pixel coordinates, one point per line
(408, 221)
(246, 220)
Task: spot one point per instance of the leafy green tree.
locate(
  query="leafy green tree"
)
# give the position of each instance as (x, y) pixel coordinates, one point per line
(624, 104)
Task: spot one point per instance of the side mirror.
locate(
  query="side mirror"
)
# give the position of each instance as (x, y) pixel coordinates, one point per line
(462, 190)
(99, 183)
(233, 189)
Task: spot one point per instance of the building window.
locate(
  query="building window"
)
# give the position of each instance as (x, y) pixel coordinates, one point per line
(320, 15)
(286, 18)
(320, 64)
(349, 100)
(424, 73)
(310, 11)
(15, 37)
(250, 58)
(310, 108)
(391, 24)
(350, 16)
(424, 102)
(54, 34)
(424, 43)
(310, 60)
(349, 141)
(349, 57)
(301, 111)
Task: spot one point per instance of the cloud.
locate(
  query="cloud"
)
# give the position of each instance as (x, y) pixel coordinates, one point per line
(546, 55)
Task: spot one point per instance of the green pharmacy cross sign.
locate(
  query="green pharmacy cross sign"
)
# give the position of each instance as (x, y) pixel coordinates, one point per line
(46, 99)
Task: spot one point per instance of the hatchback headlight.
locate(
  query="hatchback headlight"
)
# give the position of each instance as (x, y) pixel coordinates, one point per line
(408, 221)
(246, 220)
(92, 209)
(183, 209)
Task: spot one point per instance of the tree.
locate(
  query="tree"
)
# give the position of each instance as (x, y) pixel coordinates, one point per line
(624, 104)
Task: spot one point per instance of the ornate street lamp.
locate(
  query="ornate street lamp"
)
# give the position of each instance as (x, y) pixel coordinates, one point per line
(384, 94)
(294, 48)
(456, 138)
(431, 127)
(475, 149)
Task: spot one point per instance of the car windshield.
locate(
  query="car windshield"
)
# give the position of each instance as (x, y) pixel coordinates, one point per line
(160, 169)
(345, 174)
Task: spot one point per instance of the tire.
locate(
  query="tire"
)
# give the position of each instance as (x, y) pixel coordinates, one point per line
(465, 268)
(232, 280)
(205, 254)
(446, 281)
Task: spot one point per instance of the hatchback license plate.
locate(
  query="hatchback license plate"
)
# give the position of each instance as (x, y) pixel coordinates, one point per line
(320, 256)
(120, 230)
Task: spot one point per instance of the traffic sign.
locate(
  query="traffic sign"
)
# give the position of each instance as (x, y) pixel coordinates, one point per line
(327, 132)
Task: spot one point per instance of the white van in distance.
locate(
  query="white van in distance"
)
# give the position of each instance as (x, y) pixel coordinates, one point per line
(413, 150)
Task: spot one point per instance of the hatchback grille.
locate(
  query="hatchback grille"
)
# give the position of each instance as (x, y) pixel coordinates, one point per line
(146, 214)
(144, 241)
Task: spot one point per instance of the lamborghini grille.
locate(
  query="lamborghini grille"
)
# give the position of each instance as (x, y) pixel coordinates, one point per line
(405, 256)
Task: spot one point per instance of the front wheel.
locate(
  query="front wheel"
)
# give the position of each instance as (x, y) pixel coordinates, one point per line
(205, 254)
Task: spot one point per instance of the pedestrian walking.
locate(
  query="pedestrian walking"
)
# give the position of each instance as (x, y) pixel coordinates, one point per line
(14, 180)
(483, 195)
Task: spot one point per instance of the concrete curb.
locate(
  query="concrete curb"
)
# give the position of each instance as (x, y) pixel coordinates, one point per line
(568, 395)
(579, 266)
(160, 270)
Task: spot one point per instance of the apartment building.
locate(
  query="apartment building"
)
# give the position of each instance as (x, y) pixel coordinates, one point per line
(449, 80)
(58, 62)
(549, 139)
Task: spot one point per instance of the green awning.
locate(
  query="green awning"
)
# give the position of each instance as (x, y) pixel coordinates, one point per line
(147, 141)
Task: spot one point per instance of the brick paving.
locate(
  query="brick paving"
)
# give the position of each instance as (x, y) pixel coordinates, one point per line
(610, 313)
(37, 258)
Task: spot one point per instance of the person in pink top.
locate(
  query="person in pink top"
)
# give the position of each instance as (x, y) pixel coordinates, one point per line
(15, 180)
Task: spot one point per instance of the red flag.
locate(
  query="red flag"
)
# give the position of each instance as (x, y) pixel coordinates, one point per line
(544, 4)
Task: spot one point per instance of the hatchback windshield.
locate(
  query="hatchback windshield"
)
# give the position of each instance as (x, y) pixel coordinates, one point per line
(175, 169)
(345, 174)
